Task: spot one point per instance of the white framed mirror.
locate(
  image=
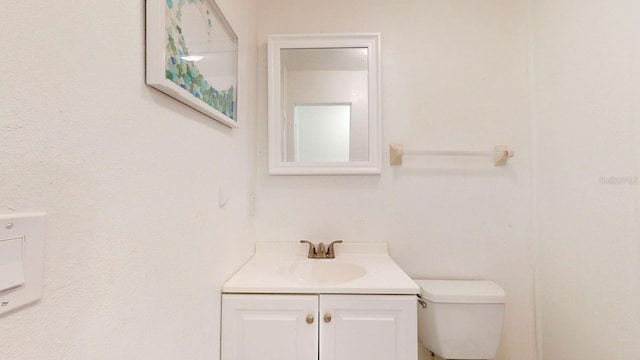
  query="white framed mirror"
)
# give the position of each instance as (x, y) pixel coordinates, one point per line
(324, 104)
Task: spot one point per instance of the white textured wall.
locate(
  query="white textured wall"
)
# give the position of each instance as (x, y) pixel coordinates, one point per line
(454, 76)
(137, 246)
(587, 126)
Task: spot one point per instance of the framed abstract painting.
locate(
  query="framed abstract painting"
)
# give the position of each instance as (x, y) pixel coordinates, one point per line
(192, 56)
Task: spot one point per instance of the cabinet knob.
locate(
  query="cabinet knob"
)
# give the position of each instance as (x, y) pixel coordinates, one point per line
(327, 318)
(310, 319)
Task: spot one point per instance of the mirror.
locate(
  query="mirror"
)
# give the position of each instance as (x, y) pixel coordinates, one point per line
(324, 104)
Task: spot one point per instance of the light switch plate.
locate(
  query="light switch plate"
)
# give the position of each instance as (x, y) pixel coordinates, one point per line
(22, 239)
(11, 263)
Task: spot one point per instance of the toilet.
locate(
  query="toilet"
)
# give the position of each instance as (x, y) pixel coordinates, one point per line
(461, 319)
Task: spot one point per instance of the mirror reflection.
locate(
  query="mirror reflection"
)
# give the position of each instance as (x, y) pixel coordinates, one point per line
(321, 132)
(324, 95)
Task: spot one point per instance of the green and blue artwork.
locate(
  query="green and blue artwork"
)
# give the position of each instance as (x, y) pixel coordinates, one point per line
(207, 73)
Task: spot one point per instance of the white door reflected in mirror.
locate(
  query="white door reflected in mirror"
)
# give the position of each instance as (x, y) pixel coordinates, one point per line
(322, 132)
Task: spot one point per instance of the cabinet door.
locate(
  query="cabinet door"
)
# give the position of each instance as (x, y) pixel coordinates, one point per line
(372, 327)
(269, 327)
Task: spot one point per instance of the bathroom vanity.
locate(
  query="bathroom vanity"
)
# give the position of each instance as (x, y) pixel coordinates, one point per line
(282, 305)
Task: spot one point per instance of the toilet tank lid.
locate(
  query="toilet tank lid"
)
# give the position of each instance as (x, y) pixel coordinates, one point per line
(462, 291)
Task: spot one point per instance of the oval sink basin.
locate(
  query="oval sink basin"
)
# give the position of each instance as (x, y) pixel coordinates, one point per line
(322, 271)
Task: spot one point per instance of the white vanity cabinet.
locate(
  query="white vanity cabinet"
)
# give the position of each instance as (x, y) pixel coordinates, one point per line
(372, 327)
(263, 327)
(318, 327)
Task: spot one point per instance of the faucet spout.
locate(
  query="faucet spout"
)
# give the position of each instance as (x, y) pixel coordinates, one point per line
(321, 252)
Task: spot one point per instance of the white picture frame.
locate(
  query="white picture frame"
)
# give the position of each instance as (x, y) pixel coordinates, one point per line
(192, 56)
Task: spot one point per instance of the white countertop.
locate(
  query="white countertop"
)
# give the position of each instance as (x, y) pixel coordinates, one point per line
(285, 268)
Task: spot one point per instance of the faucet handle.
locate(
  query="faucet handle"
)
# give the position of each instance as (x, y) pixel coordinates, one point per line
(312, 249)
(331, 254)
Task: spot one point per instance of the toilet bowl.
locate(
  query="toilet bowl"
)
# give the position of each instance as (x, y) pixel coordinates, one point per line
(461, 319)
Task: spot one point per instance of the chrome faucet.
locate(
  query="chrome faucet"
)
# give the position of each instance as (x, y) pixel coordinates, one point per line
(319, 252)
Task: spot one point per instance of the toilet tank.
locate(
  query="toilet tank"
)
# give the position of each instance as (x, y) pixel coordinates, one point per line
(463, 319)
